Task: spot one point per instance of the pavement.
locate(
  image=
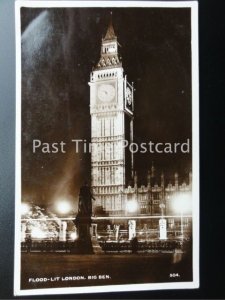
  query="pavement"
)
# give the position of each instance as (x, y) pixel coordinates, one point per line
(51, 270)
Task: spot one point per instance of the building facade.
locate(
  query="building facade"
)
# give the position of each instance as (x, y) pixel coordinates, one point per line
(112, 164)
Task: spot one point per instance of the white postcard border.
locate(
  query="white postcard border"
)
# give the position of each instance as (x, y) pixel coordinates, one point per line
(195, 149)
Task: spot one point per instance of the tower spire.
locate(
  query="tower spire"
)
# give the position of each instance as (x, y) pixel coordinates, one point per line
(110, 33)
(109, 49)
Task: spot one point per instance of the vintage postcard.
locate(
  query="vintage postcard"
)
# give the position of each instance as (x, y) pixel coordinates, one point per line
(107, 146)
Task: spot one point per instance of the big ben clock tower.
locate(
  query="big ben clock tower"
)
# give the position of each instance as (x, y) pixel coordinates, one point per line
(111, 108)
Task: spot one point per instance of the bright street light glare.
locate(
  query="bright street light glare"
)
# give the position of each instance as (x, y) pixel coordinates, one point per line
(132, 206)
(73, 235)
(24, 208)
(182, 203)
(37, 233)
(63, 207)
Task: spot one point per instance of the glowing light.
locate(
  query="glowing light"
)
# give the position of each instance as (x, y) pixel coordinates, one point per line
(182, 203)
(73, 235)
(132, 206)
(63, 207)
(24, 208)
(37, 233)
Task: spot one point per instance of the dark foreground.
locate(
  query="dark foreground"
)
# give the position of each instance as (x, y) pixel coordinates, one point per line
(46, 270)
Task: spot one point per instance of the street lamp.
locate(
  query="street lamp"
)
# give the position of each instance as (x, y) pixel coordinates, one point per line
(162, 224)
(132, 206)
(63, 207)
(25, 208)
(182, 204)
(37, 233)
(73, 235)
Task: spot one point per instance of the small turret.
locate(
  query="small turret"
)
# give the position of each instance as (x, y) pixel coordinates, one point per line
(149, 179)
(190, 179)
(176, 181)
(162, 180)
(153, 181)
(135, 180)
(153, 170)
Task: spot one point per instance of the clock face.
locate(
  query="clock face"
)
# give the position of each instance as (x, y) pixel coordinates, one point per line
(128, 96)
(106, 92)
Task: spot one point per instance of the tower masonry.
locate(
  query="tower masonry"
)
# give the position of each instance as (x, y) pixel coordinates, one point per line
(111, 109)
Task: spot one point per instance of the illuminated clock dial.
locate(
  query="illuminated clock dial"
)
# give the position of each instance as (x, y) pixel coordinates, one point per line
(106, 92)
(128, 96)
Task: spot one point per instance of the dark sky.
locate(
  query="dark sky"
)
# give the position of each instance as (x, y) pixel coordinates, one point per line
(59, 48)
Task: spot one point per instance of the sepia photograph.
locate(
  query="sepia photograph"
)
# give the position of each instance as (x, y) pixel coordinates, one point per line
(107, 146)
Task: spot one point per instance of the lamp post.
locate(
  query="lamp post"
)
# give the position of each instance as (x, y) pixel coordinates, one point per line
(181, 205)
(181, 225)
(25, 209)
(162, 224)
(131, 207)
(63, 207)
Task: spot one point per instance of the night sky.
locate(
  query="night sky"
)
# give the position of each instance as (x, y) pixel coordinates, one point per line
(59, 49)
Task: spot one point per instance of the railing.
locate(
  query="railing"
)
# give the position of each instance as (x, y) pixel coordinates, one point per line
(107, 247)
(46, 246)
(150, 247)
